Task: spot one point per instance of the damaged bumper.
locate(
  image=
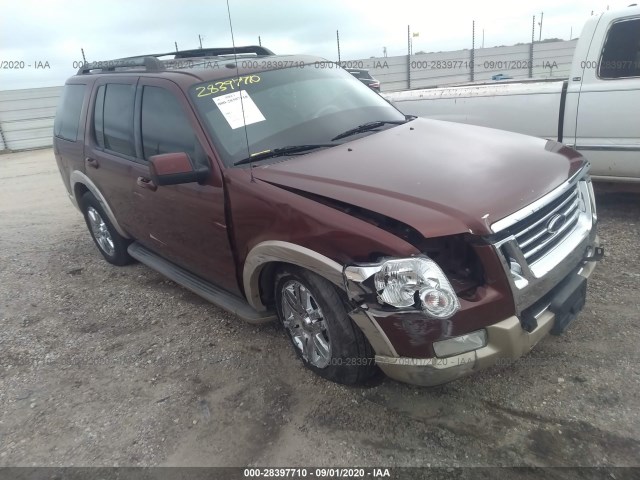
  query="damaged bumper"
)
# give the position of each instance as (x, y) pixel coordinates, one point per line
(506, 341)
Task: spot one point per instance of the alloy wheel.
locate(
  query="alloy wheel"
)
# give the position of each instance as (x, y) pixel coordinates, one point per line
(100, 231)
(303, 318)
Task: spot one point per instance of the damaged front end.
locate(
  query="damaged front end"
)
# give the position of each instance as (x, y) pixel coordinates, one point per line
(526, 280)
(430, 305)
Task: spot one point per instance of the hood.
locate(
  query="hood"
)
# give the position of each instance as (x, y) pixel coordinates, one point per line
(441, 178)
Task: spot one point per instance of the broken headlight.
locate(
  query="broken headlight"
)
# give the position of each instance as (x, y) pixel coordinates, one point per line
(410, 281)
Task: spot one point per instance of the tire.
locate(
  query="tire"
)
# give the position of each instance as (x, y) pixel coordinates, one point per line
(323, 322)
(110, 243)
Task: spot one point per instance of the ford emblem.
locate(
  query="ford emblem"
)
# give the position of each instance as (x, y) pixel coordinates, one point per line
(555, 223)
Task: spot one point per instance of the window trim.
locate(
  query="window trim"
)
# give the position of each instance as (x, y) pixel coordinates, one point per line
(118, 81)
(94, 132)
(604, 45)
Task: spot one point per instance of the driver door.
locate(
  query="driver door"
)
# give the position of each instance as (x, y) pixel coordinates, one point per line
(184, 223)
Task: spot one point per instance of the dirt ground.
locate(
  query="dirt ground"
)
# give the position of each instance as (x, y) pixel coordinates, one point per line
(108, 366)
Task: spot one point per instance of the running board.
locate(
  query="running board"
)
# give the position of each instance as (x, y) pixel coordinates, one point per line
(206, 290)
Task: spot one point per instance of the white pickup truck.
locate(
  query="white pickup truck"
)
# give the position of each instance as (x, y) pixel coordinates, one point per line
(596, 110)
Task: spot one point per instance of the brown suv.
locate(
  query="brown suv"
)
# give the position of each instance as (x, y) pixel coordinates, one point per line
(281, 186)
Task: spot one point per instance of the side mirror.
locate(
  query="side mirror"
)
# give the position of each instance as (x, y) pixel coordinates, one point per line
(175, 168)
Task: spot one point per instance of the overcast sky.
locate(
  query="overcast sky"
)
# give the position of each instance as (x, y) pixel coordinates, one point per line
(54, 31)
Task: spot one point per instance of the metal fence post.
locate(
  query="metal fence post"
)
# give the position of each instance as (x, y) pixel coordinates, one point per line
(408, 57)
(472, 57)
(4, 140)
(533, 32)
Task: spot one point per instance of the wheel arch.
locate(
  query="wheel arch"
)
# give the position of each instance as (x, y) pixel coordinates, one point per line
(264, 259)
(80, 184)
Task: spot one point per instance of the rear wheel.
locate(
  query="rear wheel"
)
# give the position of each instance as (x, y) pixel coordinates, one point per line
(111, 244)
(323, 336)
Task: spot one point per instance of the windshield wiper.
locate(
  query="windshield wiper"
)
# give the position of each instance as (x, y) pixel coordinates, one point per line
(282, 151)
(365, 127)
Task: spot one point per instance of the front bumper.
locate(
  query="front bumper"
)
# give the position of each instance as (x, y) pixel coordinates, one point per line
(506, 341)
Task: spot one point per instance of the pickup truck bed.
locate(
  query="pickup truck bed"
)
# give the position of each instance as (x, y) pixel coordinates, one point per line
(596, 110)
(491, 104)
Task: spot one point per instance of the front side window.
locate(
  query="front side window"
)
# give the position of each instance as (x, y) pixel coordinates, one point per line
(67, 120)
(621, 53)
(292, 106)
(165, 127)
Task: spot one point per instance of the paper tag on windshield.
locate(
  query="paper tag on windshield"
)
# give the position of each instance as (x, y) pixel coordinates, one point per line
(232, 109)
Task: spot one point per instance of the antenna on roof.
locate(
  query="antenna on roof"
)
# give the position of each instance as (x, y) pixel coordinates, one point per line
(84, 60)
(235, 58)
(176, 44)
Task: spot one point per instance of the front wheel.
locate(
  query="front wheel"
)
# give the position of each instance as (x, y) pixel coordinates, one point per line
(111, 244)
(323, 336)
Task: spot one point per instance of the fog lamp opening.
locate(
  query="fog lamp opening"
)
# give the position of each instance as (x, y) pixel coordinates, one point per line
(462, 344)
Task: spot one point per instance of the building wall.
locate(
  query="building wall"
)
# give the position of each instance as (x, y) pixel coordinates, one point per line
(26, 117)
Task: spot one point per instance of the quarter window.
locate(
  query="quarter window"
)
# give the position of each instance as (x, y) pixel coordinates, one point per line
(67, 119)
(621, 53)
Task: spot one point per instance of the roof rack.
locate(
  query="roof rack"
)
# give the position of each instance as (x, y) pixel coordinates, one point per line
(218, 52)
(151, 63)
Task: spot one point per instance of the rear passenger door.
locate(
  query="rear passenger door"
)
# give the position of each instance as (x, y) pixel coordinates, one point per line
(184, 223)
(111, 161)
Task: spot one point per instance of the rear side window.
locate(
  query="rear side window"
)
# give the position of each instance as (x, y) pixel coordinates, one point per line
(67, 120)
(621, 53)
(113, 118)
(165, 126)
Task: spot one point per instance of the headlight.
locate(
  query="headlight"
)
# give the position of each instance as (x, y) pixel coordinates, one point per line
(403, 282)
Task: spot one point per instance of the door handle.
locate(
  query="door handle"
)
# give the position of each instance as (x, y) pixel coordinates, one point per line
(146, 183)
(92, 162)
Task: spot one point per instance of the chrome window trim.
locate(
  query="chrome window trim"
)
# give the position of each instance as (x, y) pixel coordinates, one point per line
(612, 24)
(609, 148)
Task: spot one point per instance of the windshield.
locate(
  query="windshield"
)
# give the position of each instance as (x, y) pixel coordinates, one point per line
(280, 108)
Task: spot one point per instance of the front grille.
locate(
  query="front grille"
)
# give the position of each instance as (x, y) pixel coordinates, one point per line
(533, 235)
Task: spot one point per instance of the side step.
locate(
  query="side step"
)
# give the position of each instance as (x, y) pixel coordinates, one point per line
(206, 290)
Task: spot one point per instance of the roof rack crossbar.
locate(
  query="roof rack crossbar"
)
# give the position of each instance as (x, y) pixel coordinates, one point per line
(150, 64)
(211, 52)
(216, 52)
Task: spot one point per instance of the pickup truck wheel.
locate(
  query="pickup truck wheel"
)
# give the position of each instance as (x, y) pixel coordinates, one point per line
(323, 335)
(111, 244)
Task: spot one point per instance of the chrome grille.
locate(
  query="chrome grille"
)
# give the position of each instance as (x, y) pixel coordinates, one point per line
(541, 231)
(542, 243)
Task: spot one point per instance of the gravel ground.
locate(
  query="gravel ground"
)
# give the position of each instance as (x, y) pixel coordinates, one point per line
(104, 366)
